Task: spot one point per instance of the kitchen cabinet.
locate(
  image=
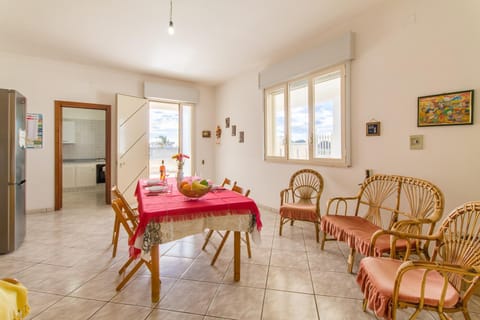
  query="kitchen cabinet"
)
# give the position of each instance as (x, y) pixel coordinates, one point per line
(81, 174)
(68, 131)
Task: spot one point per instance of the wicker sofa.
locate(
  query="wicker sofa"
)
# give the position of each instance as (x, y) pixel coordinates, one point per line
(385, 205)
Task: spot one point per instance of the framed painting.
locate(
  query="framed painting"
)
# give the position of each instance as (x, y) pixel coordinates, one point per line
(453, 108)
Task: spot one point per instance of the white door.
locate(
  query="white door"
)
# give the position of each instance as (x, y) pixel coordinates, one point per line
(132, 143)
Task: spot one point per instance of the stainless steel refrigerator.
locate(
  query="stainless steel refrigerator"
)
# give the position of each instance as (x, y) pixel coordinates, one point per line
(12, 170)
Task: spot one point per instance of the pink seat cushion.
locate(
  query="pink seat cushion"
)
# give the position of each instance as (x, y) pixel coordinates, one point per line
(299, 211)
(357, 232)
(376, 278)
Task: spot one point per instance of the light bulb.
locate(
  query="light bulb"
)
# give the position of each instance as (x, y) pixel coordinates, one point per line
(170, 28)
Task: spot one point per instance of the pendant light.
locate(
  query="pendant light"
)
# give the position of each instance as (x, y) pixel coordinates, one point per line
(171, 31)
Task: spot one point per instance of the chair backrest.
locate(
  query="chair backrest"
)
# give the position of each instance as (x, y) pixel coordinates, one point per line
(119, 195)
(226, 181)
(459, 240)
(306, 184)
(237, 188)
(121, 213)
(385, 199)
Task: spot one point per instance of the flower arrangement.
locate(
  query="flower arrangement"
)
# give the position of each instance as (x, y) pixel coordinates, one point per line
(180, 157)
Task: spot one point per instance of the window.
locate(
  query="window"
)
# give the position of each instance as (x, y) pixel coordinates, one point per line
(306, 120)
(170, 127)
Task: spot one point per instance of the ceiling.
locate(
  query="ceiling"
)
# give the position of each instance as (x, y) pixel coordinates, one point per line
(214, 40)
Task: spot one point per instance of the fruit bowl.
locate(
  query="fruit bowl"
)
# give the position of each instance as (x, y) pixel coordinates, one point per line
(194, 189)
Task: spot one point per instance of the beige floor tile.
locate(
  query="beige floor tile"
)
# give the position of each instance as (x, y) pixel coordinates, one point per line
(159, 314)
(71, 309)
(185, 292)
(101, 287)
(201, 270)
(289, 279)
(251, 275)
(327, 260)
(9, 268)
(184, 249)
(138, 291)
(334, 308)
(174, 266)
(289, 259)
(282, 305)
(117, 311)
(40, 301)
(336, 284)
(237, 303)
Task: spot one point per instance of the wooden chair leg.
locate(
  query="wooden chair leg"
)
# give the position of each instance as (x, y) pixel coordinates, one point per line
(125, 265)
(207, 238)
(317, 231)
(116, 234)
(247, 240)
(324, 238)
(281, 226)
(130, 274)
(351, 259)
(220, 247)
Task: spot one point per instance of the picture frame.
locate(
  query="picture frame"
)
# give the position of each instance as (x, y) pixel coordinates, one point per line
(234, 130)
(452, 108)
(373, 128)
(227, 122)
(241, 137)
(206, 134)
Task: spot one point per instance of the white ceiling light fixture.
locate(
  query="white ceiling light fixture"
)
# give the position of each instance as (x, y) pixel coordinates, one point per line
(171, 31)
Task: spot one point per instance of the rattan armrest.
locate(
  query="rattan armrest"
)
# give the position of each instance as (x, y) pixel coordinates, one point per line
(446, 270)
(337, 201)
(285, 195)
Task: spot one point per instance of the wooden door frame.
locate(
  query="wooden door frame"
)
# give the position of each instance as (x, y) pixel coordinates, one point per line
(59, 147)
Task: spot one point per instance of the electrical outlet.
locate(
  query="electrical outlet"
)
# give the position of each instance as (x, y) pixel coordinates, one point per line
(416, 142)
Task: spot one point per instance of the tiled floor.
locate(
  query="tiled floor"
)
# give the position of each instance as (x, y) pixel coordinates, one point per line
(66, 263)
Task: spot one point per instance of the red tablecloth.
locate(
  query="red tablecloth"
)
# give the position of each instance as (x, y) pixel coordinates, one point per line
(168, 207)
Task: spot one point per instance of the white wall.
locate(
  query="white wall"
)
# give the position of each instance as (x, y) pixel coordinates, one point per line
(404, 49)
(43, 81)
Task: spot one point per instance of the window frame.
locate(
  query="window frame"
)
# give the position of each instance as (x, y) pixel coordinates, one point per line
(345, 158)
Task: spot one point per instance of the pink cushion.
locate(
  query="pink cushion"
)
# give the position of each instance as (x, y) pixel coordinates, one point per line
(299, 211)
(376, 278)
(358, 232)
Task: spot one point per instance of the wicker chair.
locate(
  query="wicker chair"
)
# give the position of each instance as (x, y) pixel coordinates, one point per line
(444, 284)
(301, 200)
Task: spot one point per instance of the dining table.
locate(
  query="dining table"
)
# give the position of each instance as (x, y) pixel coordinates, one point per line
(169, 215)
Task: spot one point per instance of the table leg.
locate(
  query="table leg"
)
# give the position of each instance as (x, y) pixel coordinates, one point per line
(236, 256)
(155, 273)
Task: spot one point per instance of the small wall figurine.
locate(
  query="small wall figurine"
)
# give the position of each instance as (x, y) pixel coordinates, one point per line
(218, 134)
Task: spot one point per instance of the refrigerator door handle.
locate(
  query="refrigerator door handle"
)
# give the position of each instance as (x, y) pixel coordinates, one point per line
(17, 183)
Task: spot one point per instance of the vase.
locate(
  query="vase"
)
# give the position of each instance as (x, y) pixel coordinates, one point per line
(180, 173)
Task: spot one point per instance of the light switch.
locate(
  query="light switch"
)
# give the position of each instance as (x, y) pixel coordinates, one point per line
(416, 142)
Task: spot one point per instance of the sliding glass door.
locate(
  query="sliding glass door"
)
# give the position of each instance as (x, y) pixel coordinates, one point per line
(170, 132)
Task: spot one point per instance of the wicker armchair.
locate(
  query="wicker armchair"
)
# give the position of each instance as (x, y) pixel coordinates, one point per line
(444, 284)
(301, 200)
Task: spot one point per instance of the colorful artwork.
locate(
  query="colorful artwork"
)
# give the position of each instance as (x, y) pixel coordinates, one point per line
(452, 108)
(34, 130)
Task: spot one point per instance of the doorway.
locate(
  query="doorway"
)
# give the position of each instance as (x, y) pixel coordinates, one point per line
(63, 134)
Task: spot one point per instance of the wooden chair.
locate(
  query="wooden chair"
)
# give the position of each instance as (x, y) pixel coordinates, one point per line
(129, 224)
(238, 189)
(13, 300)
(301, 200)
(444, 284)
(132, 214)
(210, 232)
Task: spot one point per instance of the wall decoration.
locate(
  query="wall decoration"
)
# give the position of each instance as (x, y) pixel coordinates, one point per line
(206, 134)
(234, 130)
(241, 136)
(218, 134)
(373, 128)
(34, 130)
(453, 108)
(227, 122)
